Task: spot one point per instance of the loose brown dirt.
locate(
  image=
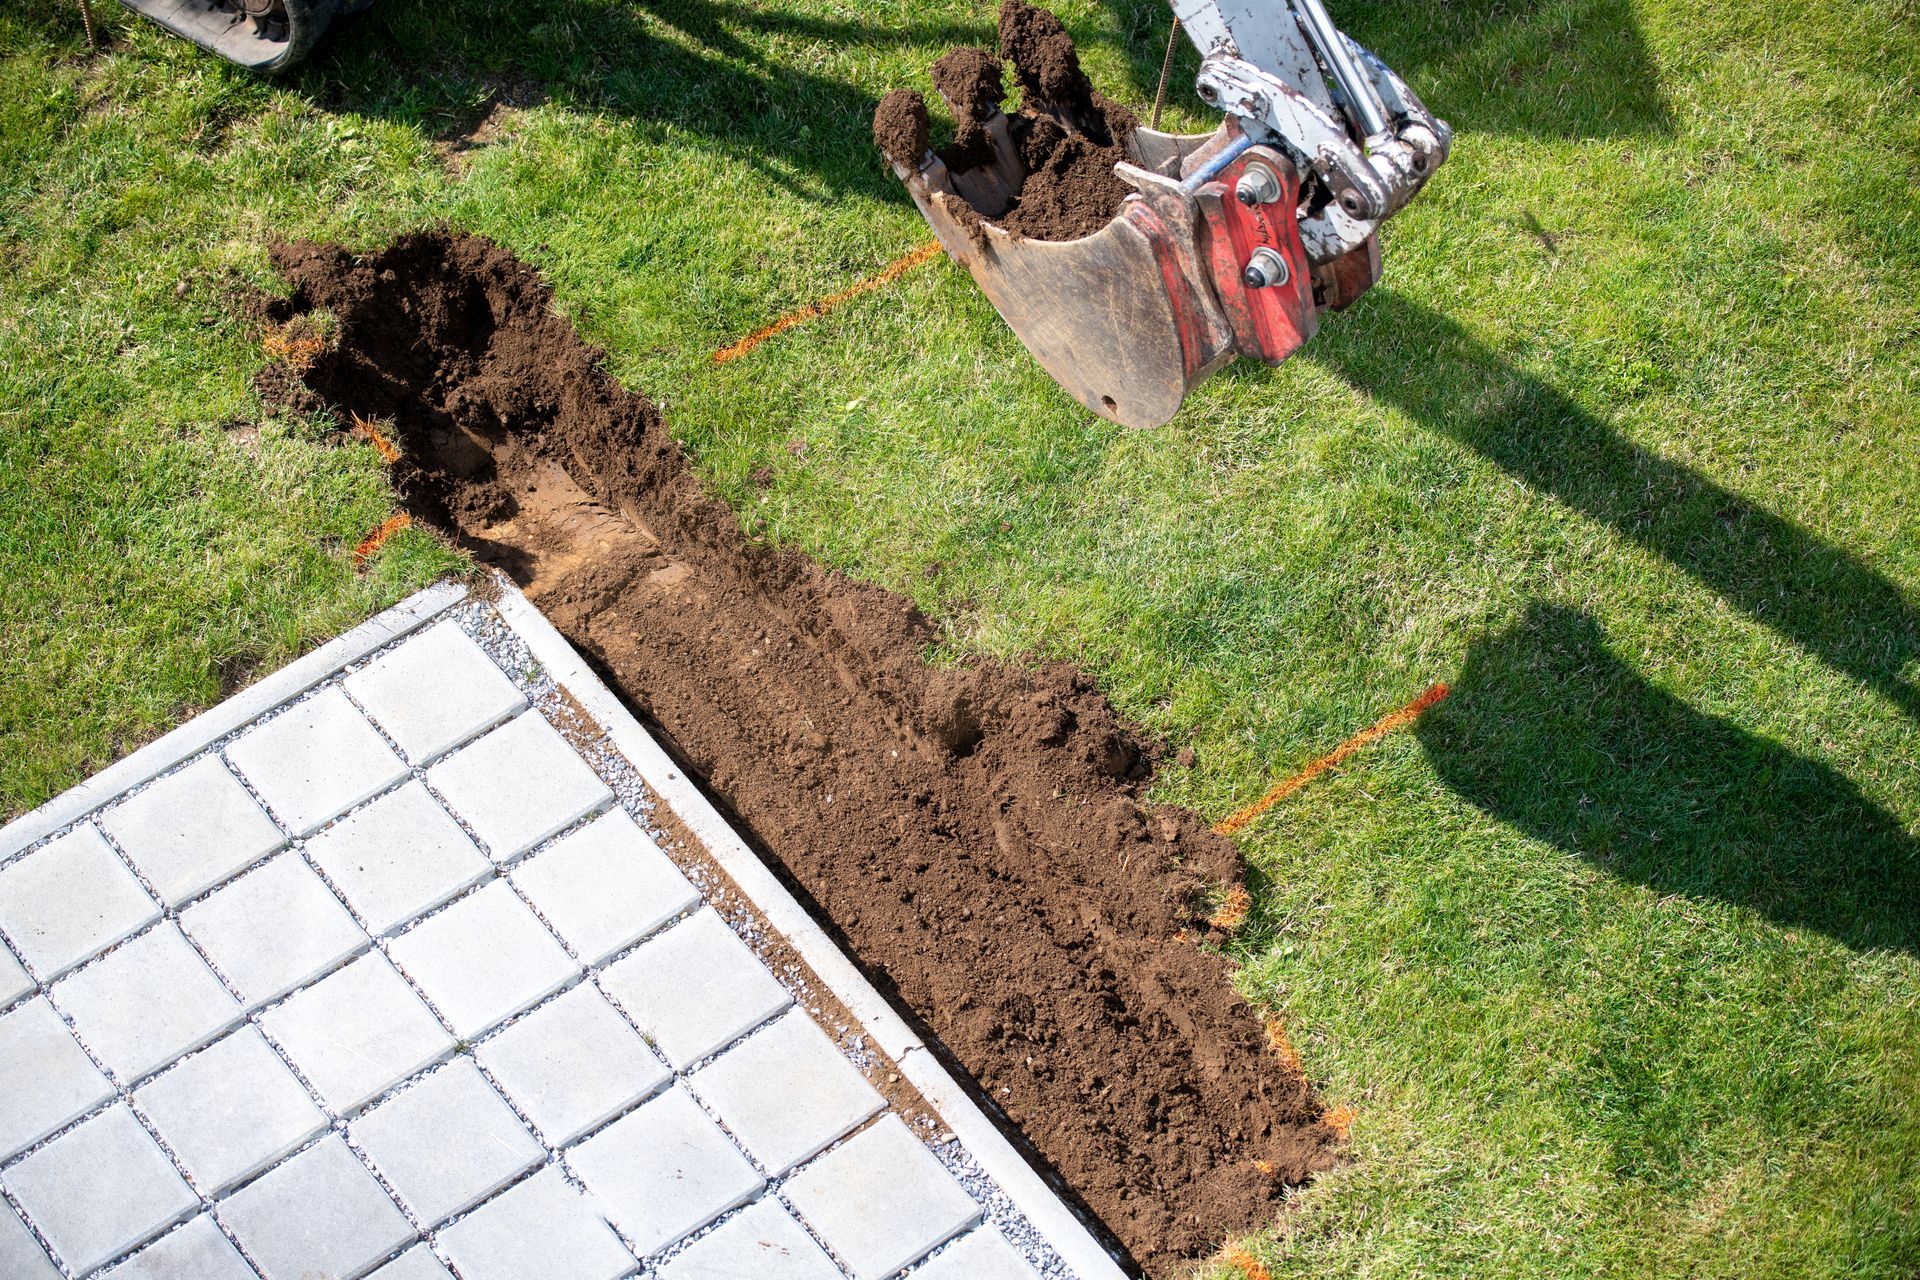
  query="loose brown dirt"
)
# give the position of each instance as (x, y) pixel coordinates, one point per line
(969, 79)
(1068, 136)
(974, 835)
(900, 127)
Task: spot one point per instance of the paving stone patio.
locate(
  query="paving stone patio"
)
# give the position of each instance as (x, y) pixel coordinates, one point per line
(388, 968)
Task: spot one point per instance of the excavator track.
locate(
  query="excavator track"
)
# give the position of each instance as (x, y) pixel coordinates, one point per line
(260, 35)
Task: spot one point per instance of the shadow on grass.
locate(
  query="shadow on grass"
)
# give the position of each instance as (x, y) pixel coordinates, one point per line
(685, 66)
(1804, 587)
(1550, 731)
(1569, 69)
(1550, 68)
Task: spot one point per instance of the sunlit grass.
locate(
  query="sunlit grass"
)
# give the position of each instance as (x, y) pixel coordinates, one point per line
(1613, 958)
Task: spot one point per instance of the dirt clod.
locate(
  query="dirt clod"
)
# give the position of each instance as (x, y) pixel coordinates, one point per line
(1045, 63)
(900, 128)
(984, 852)
(970, 81)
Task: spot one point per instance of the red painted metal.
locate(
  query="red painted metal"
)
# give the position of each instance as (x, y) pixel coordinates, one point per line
(1187, 321)
(1340, 283)
(1273, 322)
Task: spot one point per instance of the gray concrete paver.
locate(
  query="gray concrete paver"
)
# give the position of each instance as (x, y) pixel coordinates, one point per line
(762, 1241)
(319, 1216)
(694, 988)
(417, 1263)
(483, 959)
(145, 1003)
(46, 1078)
(518, 785)
(572, 1064)
(881, 1200)
(446, 1141)
(540, 1227)
(357, 1032)
(275, 928)
(398, 857)
(99, 1189)
(15, 981)
(21, 1257)
(197, 1251)
(230, 1110)
(980, 1255)
(315, 760)
(786, 1093)
(434, 692)
(68, 900)
(663, 1171)
(605, 886)
(192, 829)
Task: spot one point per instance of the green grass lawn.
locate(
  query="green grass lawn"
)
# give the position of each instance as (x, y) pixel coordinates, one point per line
(1617, 956)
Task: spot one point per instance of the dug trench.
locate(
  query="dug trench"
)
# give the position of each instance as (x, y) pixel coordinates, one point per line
(973, 835)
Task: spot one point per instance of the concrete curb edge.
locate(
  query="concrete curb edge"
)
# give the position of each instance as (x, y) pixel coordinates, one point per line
(224, 717)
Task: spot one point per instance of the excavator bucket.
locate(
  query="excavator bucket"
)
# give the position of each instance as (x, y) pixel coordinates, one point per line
(1131, 318)
(1220, 246)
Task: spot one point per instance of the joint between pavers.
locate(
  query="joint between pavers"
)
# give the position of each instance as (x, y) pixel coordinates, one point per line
(33, 992)
(33, 1228)
(123, 1091)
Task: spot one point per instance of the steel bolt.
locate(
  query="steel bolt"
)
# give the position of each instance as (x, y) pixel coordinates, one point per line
(1265, 268)
(1257, 185)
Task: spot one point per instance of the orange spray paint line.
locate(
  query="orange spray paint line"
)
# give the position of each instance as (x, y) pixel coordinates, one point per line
(1283, 1047)
(388, 451)
(1372, 733)
(1248, 1266)
(1233, 909)
(373, 541)
(813, 310)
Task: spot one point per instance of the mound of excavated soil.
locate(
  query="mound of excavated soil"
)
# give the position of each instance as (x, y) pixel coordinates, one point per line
(1067, 134)
(973, 834)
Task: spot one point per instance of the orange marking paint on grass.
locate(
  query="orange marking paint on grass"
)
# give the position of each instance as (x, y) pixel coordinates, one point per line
(813, 310)
(372, 542)
(1372, 733)
(389, 452)
(1283, 1047)
(293, 344)
(1233, 909)
(1248, 1265)
(1340, 1120)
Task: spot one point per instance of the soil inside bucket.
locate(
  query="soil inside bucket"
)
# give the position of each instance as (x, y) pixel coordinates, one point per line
(1067, 135)
(973, 835)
